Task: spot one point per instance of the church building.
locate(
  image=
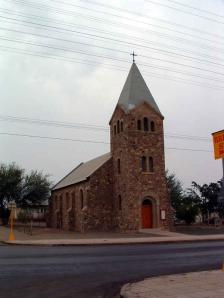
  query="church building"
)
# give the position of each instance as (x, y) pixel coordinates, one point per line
(126, 188)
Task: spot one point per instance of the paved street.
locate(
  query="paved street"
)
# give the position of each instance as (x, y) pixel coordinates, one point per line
(96, 271)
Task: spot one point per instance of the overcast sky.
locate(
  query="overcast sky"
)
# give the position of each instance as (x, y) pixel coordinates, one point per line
(67, 61)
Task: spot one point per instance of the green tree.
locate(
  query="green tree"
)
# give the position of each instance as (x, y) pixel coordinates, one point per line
(175, 189)
(11, 183)
(184, 203)
(207, 196)
(36, 189)
(27, 190)
(188, 208)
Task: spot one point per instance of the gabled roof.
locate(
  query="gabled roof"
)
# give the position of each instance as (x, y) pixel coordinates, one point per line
(83, 171)
(135, 91)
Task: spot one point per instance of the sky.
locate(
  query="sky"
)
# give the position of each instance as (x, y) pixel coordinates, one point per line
(63, 64)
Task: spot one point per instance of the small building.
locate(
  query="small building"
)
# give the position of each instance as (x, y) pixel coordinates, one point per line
(126, 188)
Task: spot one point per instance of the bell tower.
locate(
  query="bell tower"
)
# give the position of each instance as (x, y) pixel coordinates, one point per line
(140, 192)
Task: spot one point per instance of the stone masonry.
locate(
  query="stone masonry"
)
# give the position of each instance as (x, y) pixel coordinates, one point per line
(108, 193)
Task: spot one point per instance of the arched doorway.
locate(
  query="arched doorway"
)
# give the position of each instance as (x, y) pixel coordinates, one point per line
(147, 214)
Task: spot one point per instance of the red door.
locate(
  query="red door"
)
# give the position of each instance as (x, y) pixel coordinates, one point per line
(146, 216)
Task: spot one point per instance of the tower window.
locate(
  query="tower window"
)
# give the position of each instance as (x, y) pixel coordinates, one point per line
(151, 167)
(115, 129)
(122, 128)
(119, 166)
(143, 164)
(118, 126)
(152, 126)
(119, 203)
(146, 124)
(81, 199)
(139, 125)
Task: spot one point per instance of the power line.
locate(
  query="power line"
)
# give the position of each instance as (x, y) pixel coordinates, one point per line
(186, 12)
(119, 41)
(111, 49)
(110, 58)
(90, 141)
(34, 5)
(196, 8)
(138, 14)
(120, 34)
(94, 63)
(74, 125)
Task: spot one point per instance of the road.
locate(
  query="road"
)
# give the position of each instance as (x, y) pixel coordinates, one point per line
(96, 271)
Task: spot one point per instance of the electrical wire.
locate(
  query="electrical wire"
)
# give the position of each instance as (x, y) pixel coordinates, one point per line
(90, 141)
(158, 34)
(41, 6)
(74, 125)
(95, 63)
(196, 8)
(120, 41)
(185, 12)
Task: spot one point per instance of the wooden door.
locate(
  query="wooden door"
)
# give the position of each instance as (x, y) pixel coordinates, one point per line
(147, 217)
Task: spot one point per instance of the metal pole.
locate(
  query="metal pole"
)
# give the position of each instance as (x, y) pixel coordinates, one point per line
(223, 170)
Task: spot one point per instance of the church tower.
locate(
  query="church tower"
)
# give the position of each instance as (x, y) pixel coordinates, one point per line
(140, 193)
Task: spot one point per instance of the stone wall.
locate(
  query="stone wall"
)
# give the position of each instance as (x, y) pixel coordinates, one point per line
(132, 184)
(86, 206)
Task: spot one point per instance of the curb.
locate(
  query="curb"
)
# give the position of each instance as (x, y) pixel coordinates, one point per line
(106, 242)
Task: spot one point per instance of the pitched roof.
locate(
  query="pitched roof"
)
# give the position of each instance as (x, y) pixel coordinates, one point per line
(83, 171)
(135, 91)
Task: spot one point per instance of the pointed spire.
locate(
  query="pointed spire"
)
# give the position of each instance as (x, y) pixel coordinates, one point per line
(135, 91)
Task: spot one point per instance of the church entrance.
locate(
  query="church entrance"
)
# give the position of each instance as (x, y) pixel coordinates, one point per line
(147, 215)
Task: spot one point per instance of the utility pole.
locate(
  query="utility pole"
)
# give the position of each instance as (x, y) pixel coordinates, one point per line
(218, 141)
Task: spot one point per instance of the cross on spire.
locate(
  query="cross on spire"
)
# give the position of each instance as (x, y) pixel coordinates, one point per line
(134, 55)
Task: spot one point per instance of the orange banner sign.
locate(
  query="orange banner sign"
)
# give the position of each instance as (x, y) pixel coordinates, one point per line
(218, 141)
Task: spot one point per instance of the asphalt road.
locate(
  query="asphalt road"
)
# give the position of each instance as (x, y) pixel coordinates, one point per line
(96, 271)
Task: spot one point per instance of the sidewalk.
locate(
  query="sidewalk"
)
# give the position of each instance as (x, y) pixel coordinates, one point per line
(206, 284)
(52, 237)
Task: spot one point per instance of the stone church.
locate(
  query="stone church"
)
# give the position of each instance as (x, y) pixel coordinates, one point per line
(126, 188)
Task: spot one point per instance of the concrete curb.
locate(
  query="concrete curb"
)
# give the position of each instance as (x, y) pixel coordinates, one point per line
(95, 242)
(190, 284)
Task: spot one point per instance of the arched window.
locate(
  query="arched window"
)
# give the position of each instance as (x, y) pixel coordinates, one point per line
(152, 126)
(58, 203)
(67, 200)
(122, 128)
(151, 167)
(139, 125)
(73, 200)
(119, 203)
(61, 202)
(87, 197)
(118, 126)
(81, 199)
(115, 129)
(143, 164)
(146, 124)
(55, 201)
(119, 166)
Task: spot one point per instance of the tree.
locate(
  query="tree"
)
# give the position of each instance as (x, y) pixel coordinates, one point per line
(27, 190)
(188, 209)
(36, 189)
(184, 203)
(207, 196)
(11, 183)
(175, 188)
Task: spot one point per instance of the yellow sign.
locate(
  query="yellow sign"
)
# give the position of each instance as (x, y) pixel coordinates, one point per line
(218, 141)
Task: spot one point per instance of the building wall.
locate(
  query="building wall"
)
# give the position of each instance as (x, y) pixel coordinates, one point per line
(85, 206)
(132, 185)
(113, 195)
